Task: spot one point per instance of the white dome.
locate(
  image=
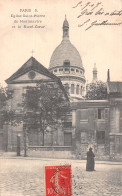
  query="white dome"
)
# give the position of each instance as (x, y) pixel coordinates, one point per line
(65, 52)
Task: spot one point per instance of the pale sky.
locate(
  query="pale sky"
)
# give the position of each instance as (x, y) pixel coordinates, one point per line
(100, 44)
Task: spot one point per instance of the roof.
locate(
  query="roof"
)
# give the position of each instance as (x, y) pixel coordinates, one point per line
(31, 64)
(85, 104)
(66, 51)
(65, 24)
(115, 88)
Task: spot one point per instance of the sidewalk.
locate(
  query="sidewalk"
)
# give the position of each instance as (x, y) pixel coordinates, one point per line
(13, 155)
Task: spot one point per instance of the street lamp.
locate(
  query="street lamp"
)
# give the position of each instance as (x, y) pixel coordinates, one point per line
(18, 144)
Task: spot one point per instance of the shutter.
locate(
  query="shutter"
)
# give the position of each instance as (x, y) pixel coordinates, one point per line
(106, 113)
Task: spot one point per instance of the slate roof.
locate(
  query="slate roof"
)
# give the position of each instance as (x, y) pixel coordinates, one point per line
(115, 88)
(31, 64)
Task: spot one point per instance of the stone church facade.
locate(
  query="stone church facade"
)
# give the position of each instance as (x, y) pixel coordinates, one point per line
(91, 123)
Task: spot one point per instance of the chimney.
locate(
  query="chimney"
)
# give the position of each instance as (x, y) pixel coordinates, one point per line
(108, 76)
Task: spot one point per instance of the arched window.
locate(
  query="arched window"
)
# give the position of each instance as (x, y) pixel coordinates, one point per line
(55, 70)
(72, 88)
(81, 90)
(77, 70)
(72, 69)
(77, 89)
(67, 70)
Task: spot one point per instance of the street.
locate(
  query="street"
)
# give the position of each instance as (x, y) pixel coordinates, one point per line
(25, 177)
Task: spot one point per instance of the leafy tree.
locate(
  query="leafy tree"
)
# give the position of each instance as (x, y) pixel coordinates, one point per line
(44, 106)
(6, 115)
(96, 90)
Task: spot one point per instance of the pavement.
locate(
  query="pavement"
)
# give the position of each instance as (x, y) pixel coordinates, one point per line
(24, 176)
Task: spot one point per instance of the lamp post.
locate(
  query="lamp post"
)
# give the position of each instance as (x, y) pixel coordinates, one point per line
(48, 129)
(18, 145)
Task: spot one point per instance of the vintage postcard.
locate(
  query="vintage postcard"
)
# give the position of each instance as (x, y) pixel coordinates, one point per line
(60, 98)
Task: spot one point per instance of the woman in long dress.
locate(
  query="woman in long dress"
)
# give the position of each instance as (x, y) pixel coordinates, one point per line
(90, 160)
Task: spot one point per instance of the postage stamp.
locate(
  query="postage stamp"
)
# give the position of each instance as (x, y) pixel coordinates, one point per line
(58, 180)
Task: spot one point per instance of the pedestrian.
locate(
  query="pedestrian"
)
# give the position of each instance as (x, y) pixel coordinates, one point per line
(90, 160)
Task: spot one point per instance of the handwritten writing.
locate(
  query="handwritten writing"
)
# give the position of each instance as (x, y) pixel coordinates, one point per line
(94, 11)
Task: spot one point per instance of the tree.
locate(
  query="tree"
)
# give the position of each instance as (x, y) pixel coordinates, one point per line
(96, 90)
(6, 115)
(44, 106)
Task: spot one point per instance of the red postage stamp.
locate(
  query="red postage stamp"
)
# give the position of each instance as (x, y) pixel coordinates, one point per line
(58, 180)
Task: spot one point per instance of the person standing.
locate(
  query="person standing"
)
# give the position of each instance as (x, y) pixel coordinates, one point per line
(90, 161)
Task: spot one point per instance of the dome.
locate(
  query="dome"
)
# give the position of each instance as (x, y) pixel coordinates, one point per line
(65, 52)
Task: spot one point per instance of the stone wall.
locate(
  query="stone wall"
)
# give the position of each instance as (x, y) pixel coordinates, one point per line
(92, 129)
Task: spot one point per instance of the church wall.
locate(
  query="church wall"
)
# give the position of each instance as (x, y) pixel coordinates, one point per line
(50, 139)
(38, 76)
(15, 104)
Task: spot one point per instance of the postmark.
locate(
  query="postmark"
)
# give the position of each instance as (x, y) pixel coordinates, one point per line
(58, 180)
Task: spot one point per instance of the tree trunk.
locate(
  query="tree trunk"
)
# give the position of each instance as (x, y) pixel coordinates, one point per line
(43, 138)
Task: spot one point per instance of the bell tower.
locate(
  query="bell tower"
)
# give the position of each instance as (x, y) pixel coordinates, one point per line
(94, 73)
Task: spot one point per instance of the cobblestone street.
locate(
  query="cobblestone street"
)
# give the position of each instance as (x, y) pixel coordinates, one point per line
(25, 177)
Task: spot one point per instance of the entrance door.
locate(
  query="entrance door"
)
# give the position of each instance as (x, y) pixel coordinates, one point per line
(1, 142)
(67, 139)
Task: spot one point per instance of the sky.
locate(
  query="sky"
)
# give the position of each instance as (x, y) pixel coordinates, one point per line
(100, 44)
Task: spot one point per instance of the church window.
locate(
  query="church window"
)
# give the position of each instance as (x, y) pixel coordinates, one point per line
(77, 89)
(66, 70)
(81, 72)
(72, 88)
(81, 90)
(55, 70)
(31, 75)
(77, 70)
(101, 137)
(100, 113)
(66, 63)
(60, 70)
(72, 69)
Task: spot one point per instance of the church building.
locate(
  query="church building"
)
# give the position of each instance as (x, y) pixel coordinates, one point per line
(91, 123)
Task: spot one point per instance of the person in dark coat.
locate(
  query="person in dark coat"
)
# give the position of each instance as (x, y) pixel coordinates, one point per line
(90, 160)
